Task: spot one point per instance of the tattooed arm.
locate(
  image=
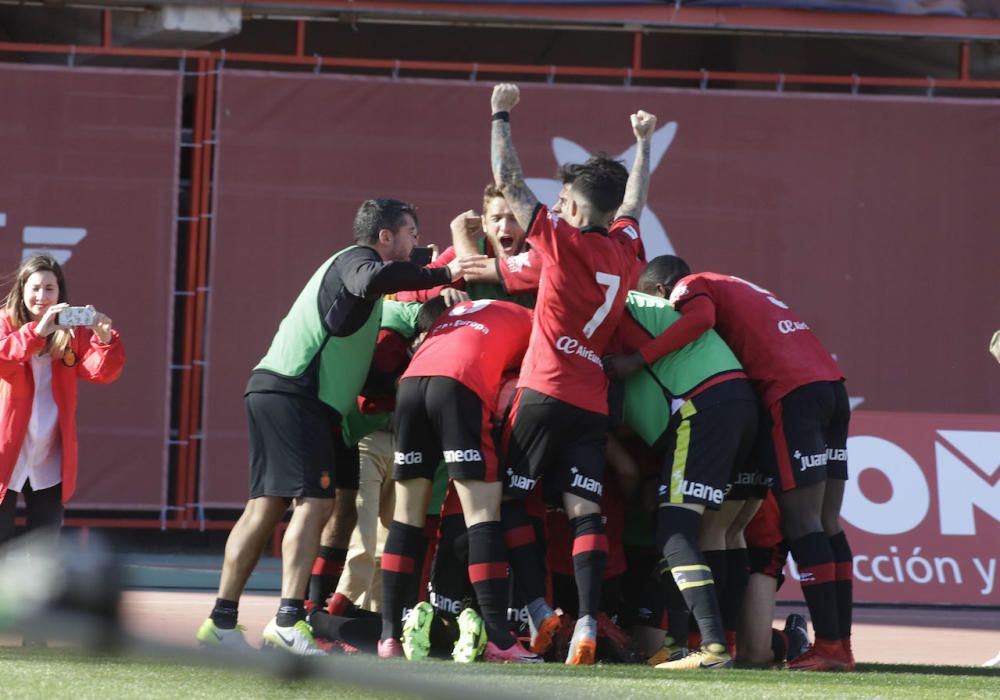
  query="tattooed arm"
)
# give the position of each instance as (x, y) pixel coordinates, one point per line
(643, 125)
(507, 171)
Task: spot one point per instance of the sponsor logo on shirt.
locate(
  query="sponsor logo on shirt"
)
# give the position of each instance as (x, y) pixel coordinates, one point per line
(787, 326)
(451, 456)
(517, 481)
(585, 483)
(516, 263)
(408, 458)
(461, 322)
(630, 232)
(519, 615)
(572, 346)
(810, 461)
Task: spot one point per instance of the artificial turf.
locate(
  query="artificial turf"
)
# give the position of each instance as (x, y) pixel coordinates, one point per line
(62, 673)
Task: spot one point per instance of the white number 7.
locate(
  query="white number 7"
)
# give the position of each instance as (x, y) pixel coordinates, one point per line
(612, 282)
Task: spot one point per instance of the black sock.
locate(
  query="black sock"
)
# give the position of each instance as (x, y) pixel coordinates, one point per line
(522, 550)
(225, 613)
(360, 632)
(488, 574)
(814, 558)
(590, 558)
(290, 611)
(737, 578)
(326, 571)
(677, 536)
(843, 561)
(719, 564)
(450, 568)
(401, 569)
(678, 615)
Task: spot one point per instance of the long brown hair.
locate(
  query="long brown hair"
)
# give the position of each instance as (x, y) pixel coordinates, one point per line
(18, 313)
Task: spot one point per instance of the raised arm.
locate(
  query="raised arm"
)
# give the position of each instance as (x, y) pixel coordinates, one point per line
(507, 173)
(643, 126)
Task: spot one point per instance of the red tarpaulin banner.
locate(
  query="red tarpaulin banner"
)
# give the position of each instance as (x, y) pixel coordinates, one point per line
(89, 174)
(922, 508)
(870, 216)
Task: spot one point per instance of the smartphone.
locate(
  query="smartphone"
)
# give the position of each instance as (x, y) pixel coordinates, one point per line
(421, 255)
(77, 316)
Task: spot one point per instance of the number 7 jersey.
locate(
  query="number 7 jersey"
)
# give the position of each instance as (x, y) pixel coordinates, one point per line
(586, 274)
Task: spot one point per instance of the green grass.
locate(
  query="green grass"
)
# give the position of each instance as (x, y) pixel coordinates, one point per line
(59, 673)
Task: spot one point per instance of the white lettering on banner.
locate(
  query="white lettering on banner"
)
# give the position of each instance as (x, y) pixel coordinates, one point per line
(961, 489)
(989, 576)
(787, 326)
(915, 567)
(572, 346)
(910, 500)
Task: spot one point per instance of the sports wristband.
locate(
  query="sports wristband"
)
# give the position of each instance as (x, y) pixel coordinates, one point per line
(501, 116)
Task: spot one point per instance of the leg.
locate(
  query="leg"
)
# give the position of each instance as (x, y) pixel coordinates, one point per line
(44, 510)
(403, 551)
(487, 555)
(8, 516)
(246, 542)
(333, 544)
(359, 566)
(753, 637)
(298, 550)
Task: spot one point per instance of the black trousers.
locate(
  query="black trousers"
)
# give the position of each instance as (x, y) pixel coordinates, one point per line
(44, 510)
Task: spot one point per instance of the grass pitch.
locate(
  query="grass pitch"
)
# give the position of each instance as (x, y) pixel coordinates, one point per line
(61, 673)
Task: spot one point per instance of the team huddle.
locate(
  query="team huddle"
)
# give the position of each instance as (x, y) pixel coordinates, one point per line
(593, 457)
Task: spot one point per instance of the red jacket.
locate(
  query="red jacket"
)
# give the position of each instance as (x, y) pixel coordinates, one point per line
(94, 362)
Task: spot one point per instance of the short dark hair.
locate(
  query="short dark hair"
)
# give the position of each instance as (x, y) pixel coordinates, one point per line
(601, 181)
(377, 214)
(568, 172)
(429, 312)
(667, 270)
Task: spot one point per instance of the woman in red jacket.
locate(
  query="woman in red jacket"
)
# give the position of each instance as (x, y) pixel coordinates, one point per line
(40, 362)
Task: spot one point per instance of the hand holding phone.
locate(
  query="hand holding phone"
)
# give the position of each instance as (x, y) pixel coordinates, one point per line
(77, 316)
(421, 255)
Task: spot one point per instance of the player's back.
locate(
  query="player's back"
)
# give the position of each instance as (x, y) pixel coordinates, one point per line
(473, 342)
(778, 350)
(581, 296)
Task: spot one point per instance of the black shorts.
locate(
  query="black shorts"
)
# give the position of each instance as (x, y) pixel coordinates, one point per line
(709, 440)
(296, 449)
(565, 443)
(438, 417)
(804, 436)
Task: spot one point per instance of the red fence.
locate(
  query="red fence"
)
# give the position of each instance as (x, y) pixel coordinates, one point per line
(90, 172)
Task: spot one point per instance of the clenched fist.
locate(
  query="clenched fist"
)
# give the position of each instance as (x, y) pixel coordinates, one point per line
(643, 125)
(505, 96)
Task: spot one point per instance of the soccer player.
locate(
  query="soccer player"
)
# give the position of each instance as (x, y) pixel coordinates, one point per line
(309, 378)
(696, 408)
(444, 407)
(805, 423)
(504, 239)
(558, 424)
